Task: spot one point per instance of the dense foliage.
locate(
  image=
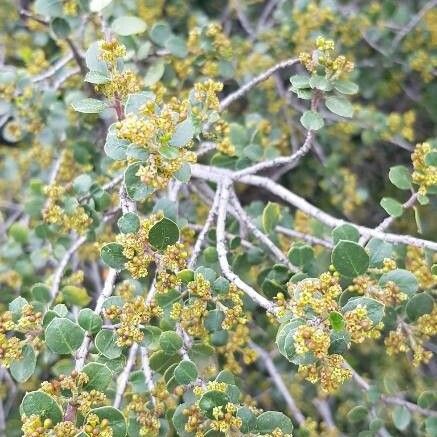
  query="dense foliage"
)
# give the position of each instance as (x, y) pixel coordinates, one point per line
(217, 218)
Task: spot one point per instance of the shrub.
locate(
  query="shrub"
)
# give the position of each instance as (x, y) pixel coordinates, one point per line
(208, 212)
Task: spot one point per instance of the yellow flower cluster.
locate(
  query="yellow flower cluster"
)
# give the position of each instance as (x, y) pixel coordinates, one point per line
(416, 263)
(29, 324)
(235, 314)
(400, 125)
(423, 175)
(147, 418)
(136, 248)
(206, 94)
(390, 294)
(235, 347)
(191, 316)
(225, 420)
(78, 220)
(132, 315)
(318, 296)
(111, 50)
(411, 340)
(33, 426)
(334, 67)
(330, 371)
(120, 85)
(348, 198)
(426, 325)
(360, 326)
(311, 339)
(96, 426)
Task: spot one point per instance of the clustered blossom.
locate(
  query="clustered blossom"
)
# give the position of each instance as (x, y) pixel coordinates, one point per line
(334, 66)
(29, 323)
(424, 174)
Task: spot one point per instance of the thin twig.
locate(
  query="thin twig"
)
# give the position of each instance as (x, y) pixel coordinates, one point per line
(279, 383)
(255, 81)
(222, 253)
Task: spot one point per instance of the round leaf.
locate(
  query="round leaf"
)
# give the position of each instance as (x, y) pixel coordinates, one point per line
(63, 336)
(312, 120)
(163, 234)
(339, 106)
(350, 259)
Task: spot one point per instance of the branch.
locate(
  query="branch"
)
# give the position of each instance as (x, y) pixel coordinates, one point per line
(123, 378)
(279, 383)
(306, 237)
(148, 373)
(217, 175)
(222, 255)
(393, 400)
(255, 81)
(57, 277)
(386, 223)
(261, 236)
(412, 24)
(202, 234)
(292, 159)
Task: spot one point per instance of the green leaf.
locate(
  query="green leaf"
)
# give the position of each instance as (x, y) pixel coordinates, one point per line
(183, 133)
(170, 342)
(106, 344)
(300, 81)
(184, 173)
(378, 251)
(357, 414)
(401, 417)
(404, 279)
(98, 5)
(185, 372)
(129, 223)
(160, 33)
(41, 293)
(248, 419)
(112, 255)
(312, 120)
(135, 101)
(392, 206)
(60, 27)
(82, 183)
(89, 106)
(49, 8)
(375, 309)
(320, 83)
(301, 255)
(128, 25)
(339, 106)
(163, 234)
(23, 369)
(99, 376)
(419, 305)
(268, 421)
(117, 421)
(169, 152)
(135, 187)
(350, 259)
(41, 404)
(400, 177)
(154, 73)
(179, 421)
(431, 158)
(336, 320)
(89, 320)
(96, 77)
(177, 46)
(271, 216)
(212, 399)
(75, 295)
(213, 320)
(63, 336)
(345, 232)
(346, 87)
(431, 426)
